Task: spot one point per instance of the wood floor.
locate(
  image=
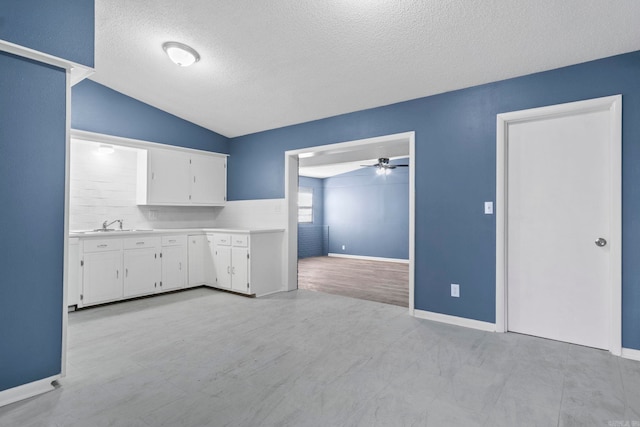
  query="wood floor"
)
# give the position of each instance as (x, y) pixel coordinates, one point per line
(386, 282)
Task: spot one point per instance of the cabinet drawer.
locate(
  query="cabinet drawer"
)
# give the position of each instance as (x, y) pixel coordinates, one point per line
(141, 242)
(240, 240)
(222, 239)
(101, 245)
(174, 240)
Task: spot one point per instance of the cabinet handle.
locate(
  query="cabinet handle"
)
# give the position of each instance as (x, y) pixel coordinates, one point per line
(180, 266)
(194, 179)
(126, 272)
(139, 243)
(228, 269)
(172, 241)
(233, 270)
(117, 274)
(103, 245)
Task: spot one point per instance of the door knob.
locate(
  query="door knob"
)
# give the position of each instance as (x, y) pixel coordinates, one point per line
(601, 242)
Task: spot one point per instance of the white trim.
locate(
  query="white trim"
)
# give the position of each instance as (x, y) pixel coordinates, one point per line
(65, 267)
(26, 391)
(291, 180)
(631, 353)
(455, 320)
(614, 105)
(78, 72)
(369, 258)
(83, 135)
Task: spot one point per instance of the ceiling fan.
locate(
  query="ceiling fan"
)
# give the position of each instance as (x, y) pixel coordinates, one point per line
(383, 165)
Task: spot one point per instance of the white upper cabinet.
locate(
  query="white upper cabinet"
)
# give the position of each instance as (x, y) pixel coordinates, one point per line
(208, 180)
(167, 177)
(181, 178)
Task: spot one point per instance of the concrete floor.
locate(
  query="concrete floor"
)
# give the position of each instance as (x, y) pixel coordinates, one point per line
(208, 358)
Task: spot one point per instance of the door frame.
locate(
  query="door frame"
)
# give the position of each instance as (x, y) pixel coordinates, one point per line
(291, 157)
(612, 104)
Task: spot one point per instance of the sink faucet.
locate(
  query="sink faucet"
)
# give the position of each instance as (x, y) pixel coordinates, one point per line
(105, 225)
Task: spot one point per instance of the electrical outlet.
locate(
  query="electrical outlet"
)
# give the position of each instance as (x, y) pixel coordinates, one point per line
(455, 290)
(344, 247)
(488, 208)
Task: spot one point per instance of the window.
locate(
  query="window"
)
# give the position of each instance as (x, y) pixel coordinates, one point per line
(305, 204)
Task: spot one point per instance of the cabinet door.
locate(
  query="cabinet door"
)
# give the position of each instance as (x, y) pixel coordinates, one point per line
(223, 266)
(168, 180)
(208, 180)
(196, 248)
(240, 270)
(141, 272)
(174, 267)
(73, 273)
(101, 277)
(209, 261)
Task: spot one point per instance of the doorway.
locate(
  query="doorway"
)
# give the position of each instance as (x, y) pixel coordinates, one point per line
(558, 266)
(385, 146)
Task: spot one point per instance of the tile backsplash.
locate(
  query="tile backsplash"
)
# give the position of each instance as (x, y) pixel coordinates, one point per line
(103, 187)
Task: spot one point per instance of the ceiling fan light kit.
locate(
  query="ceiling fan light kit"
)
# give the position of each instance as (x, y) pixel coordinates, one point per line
(384, 167)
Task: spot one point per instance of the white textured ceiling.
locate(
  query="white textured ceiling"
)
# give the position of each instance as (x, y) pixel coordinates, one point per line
(268, 64)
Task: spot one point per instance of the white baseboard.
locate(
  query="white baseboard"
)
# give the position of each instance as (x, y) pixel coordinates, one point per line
(630, 353)
(370, 258)
(454, 320)
(27, 390)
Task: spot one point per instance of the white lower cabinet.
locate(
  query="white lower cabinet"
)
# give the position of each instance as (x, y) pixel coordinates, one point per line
(174, 262)
(248, 263)
(196, 247)
(115, 268)
(141, 266)
(101, 277)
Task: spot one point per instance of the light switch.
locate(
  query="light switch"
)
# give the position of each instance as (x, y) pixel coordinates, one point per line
(488, 208)
(455, 290)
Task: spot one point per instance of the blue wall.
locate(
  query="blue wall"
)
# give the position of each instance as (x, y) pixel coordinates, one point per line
(60, 28)
(455, 174)
(97, 108)
(32, 158)
(313, 237)
(368, 213)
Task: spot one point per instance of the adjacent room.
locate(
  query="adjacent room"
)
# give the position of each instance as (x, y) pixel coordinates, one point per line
(353, 229)
(335, 213)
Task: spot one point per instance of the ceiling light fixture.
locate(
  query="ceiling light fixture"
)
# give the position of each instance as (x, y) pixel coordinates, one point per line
(181, 54)
(105, 149)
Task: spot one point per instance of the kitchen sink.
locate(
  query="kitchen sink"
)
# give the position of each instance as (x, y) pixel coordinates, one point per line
(111, 230)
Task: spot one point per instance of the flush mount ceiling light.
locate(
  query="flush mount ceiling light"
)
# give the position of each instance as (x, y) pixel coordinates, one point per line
(181, 54)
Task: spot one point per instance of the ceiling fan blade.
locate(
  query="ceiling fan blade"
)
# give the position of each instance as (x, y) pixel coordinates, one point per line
(401, 166)
(368, 166)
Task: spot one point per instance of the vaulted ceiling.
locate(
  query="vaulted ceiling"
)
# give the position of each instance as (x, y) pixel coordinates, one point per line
(268, 64)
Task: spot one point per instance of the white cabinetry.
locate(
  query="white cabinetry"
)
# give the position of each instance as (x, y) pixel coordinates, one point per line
(167, 177)
(141, 266)
(101, 271)
(208, 180)
(174, 262)
(248, 263)
(197, 244)
(181, 178)
(73, 273)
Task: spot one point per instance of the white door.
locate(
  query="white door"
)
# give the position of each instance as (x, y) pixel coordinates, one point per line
(141, 272)
(222, 262)
(174, 259)
(102, 277)
(558, 206)
(208, 180)
(197, 247)
(240, 270)
(168, 177)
